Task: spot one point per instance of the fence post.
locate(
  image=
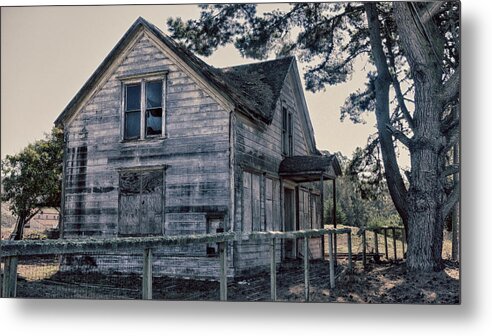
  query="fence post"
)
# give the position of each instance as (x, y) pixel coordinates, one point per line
(403, 238)
(335, 247)
(306, 268)
(364, 257)
(332, 262)
(386, 243)
(273, 270)
(376, 244)
(9, 286)
(147, 275)
(393, 230)
(349, 244)
(223, 270)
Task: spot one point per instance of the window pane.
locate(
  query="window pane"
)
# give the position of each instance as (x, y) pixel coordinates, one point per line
(154, 94)
(132, 125)
(132, 97)
(154, 122)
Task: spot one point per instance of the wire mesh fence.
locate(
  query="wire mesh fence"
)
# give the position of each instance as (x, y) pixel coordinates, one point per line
(77, 272)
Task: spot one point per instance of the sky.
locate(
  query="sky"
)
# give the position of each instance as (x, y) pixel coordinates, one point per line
(47, 54)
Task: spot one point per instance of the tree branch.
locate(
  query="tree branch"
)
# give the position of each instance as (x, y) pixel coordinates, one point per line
(450, 170)
(396, 84)
(28, 218)
(430, 11)
(399, 135)
(451, 201)
(452, 138)
(451, 87)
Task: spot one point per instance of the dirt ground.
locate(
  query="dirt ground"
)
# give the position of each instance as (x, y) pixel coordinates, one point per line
(384, 282)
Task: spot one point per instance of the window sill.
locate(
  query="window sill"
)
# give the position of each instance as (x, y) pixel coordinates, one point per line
(137, 141)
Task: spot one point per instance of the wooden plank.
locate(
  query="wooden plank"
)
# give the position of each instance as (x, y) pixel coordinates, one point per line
(349, 250)
(223, 270)
(364, 257)
(9, 284)
(332, 260)
(335, 217)
(256, 201)
(394, 242)
(376, 244)
(247, 205)
(322, 213)
(68, 246)
(147, 275)
(269, 207)
(273, 271)
(385, 243)
(403, 239)
(306, 269)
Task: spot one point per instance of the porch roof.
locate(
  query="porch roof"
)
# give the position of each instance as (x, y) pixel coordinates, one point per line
(309, 168)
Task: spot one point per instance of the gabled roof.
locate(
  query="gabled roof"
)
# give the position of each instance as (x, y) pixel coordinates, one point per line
(258, 85)
(252, 88)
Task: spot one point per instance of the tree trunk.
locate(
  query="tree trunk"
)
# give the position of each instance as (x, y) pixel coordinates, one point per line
(396, 186)
(456, 216)
(18, 232)
(426, 194)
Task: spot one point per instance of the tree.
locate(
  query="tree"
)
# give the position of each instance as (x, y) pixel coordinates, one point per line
(32, 179)
(409, 49)
(362, 194)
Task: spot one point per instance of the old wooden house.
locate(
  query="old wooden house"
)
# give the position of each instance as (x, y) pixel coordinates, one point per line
(157, 142)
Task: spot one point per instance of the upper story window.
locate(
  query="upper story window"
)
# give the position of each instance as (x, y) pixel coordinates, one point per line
(287, 132)
(144, 101)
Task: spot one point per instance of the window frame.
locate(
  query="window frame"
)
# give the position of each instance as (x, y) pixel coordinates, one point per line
(287, 131)
(142, 80)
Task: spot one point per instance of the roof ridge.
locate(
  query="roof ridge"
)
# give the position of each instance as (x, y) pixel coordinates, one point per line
(259, 62)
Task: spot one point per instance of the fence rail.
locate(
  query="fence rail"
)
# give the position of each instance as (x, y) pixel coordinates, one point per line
(11, 250)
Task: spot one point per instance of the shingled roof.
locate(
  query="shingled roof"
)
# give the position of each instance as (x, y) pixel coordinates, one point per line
(309, 167)
(258, 85)
(252, 88)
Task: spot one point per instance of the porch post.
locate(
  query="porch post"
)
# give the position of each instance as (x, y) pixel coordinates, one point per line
(322, 217)
(282, 216)
(335, 218)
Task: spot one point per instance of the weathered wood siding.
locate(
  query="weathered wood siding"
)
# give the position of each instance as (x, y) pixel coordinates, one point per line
(258, 153)
(196, 153)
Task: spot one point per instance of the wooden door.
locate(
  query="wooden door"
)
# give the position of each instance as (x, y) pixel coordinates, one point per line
(289, 222)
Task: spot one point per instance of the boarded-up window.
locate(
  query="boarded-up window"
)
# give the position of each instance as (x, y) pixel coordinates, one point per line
(315, 215)
(256, 201)
(252, 202)
(141, 203)
(304, 210)
(277, 225)
(247, 214)
(269, 204)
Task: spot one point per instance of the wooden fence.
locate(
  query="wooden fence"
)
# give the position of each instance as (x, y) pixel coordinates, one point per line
(11, 250)
(383, 231)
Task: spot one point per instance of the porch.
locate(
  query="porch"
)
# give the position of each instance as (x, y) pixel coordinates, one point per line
(302, 181)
